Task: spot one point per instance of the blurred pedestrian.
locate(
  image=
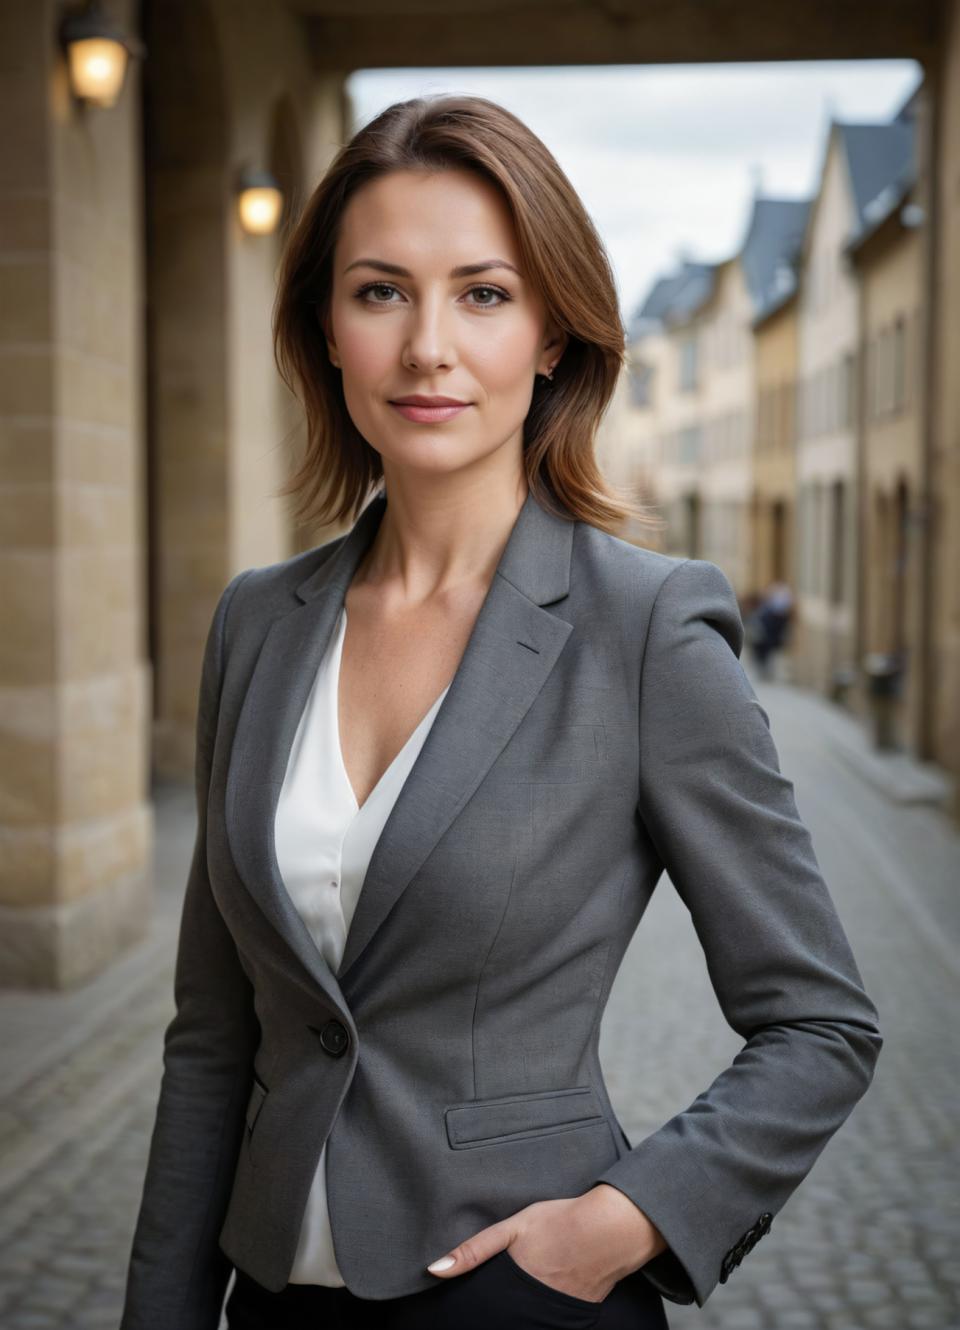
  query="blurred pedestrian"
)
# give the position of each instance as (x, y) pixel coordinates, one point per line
(767, 626)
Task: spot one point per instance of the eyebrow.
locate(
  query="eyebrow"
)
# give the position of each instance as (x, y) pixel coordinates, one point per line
(465, 270)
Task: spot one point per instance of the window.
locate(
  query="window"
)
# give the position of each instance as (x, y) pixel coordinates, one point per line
(871, 374)
(690, 445)
(837, 542)
(848, 391)
(688, 364)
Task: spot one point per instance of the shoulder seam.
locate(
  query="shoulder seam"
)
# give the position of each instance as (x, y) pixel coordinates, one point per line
(653, 607)
(643, 662)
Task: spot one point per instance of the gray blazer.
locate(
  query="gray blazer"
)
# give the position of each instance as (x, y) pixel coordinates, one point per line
(599, 729)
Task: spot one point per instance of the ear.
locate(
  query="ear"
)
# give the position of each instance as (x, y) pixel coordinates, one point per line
(555, 340)
(331, 344)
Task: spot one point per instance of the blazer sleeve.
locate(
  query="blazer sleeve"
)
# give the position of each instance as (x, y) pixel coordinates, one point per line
(724, 823)
(177, 1275)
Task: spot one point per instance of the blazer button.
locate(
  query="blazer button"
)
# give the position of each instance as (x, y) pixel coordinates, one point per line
(334, 1038)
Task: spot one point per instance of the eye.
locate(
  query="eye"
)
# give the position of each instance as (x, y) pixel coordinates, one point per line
(374, 286)
(369, 287)
(495, 290)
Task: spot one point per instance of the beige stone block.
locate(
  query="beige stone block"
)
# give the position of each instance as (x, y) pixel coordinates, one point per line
(104, 741)
(58, 946)
(26, 518)
(98, 612)
(95, 390)
(27, 450)
(81, 294)
(94, 161)
(194, 575)
(97, 309)
(95, 233)
(198, 478)
(26, 380)
(97, 455)
(196, 547)
(28, 861)
(25, 160)
(28, 644)
(80, 756)
(103, 850)
(186, 622)
(173, 750)
(97, 516)
(29, 718)
(196, 452)
(25, 304)
(77, 229)
(25, 222)
(181, 682)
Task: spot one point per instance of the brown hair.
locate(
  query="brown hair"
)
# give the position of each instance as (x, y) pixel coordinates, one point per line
(563, 255)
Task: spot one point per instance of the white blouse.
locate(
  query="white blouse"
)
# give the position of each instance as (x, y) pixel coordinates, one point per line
(324, 841)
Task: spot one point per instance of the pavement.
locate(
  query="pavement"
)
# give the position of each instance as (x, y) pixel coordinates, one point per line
(870, 1239)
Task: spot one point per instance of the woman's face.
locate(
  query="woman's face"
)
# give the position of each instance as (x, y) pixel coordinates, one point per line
(403, 321)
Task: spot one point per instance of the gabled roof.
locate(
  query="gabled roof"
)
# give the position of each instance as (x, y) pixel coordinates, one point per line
(882, 165)
(767, 256)
(770, 251)
(880, 162)
(674, 298)
(902, 151)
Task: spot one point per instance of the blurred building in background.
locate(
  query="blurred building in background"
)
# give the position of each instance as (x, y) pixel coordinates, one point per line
(144, 429)
(822, 463)
(774, 491)
(886, 256)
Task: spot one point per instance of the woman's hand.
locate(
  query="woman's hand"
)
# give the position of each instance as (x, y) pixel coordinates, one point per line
(581, 1245)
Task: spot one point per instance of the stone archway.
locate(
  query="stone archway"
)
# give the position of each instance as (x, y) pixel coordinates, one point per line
(188, 453)
(285, 161)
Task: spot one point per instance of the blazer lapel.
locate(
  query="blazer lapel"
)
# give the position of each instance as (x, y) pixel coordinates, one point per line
(275, 699)
(510, 653)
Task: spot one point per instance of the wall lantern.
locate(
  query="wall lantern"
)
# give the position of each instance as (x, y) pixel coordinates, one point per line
(97, 54)
(260, 202)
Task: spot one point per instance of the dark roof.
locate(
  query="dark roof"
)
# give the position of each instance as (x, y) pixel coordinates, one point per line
(882, 164)
(771, 249)
(768, 256)
(911, 105)
(672, 299)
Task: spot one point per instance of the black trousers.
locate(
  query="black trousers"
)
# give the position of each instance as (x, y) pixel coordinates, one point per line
(498, 1294)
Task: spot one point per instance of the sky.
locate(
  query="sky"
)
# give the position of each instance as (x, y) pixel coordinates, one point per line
(666, 158)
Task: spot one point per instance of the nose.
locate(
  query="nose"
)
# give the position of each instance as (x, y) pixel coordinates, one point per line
(429, 342)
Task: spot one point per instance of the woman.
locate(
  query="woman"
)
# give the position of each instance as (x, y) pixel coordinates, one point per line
(502, 723)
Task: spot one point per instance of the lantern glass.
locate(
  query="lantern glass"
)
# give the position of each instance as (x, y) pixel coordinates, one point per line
(97, 68)
(260, 208)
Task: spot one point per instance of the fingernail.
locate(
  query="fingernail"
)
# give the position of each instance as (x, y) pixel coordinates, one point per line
(444, 1263)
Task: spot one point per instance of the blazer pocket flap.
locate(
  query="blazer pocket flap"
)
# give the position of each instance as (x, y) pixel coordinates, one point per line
(532, 1114)
(255, 1103)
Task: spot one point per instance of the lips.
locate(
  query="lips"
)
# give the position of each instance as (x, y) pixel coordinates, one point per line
(416, 399)
(428, 410)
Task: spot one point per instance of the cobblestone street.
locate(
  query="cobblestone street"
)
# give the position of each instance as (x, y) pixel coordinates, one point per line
(869, 1240)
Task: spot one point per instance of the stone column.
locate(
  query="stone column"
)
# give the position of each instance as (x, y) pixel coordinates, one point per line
(75, 819)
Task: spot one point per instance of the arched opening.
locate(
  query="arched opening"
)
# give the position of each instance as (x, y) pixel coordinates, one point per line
(186, 426)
